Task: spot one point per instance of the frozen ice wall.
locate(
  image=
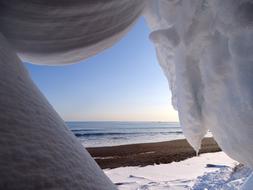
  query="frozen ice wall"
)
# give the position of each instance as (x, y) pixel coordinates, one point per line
(54, 32)
(37, 151)
(206, 50)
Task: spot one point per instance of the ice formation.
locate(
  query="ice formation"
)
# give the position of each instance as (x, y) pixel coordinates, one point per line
(61, 32)
(204, 47)
(37, 149)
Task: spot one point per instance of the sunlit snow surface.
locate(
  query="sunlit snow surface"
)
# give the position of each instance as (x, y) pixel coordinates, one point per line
(185, 175)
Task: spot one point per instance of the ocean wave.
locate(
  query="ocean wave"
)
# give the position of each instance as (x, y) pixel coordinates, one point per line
(78, 134)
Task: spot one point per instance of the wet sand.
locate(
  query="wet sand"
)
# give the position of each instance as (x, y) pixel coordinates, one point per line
(148, 153)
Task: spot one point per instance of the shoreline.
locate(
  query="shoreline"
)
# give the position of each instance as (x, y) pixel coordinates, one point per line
(144, 154)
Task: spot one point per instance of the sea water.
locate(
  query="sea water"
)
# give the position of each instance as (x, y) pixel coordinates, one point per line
(96, 134)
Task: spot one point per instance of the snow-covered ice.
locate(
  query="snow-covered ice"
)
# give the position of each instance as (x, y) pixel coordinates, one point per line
(205, 49)
(51, 32)
(189, 174)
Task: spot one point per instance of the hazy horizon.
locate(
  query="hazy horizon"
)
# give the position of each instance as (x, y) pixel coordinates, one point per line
(120, 121)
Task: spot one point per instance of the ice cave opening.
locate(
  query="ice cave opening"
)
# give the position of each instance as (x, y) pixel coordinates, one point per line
(204, 47)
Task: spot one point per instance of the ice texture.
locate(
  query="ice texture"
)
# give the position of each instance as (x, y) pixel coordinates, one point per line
(57, 32)
(37, 149)
(205, 49)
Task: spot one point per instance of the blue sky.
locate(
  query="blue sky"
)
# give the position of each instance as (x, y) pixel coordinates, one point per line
(123, 83)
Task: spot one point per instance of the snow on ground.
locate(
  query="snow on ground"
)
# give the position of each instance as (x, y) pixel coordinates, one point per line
(226, 178)
(192, 173)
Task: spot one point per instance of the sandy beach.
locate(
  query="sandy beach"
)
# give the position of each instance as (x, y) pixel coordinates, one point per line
(148, 153)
